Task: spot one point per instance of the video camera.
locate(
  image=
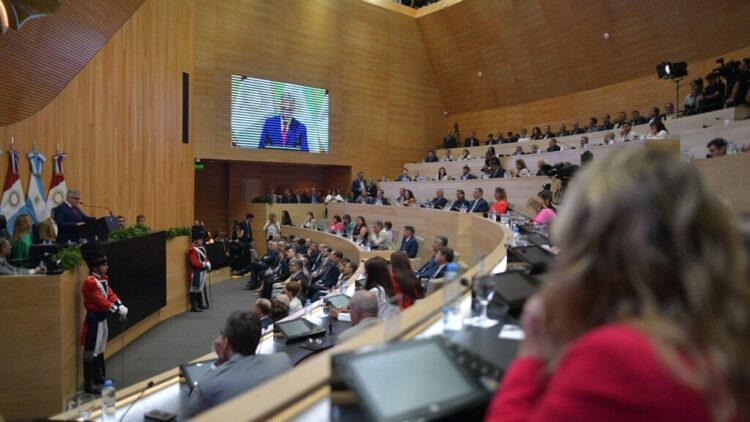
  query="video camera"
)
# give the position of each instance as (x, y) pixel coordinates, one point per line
(727, 70)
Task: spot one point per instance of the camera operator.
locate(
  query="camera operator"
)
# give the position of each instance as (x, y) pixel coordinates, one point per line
(713, 94)
(739, 93)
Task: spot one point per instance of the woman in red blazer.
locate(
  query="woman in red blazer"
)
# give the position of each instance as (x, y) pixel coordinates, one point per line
(648, 318)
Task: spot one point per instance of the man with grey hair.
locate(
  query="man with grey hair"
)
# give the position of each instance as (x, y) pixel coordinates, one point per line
(284, 131)
(5, 267)
(68, 217)
(379, 239)
(363, 311)
(439, 201)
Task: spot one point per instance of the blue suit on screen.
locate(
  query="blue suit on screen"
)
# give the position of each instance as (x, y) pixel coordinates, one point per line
(296, 134)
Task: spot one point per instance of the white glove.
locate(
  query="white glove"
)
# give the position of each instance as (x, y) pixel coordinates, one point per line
(208, 266)
(122, 310)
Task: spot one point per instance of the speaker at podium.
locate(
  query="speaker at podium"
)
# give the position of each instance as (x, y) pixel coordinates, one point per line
(98, 229)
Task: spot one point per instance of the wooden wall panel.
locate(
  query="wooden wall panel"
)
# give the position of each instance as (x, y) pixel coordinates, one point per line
(212, 195)
(636, 94)
(384, 99)
(41, 59)
(119, 120)
(536, 49)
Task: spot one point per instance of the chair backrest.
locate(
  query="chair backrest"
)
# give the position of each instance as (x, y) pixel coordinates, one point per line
(434, 285)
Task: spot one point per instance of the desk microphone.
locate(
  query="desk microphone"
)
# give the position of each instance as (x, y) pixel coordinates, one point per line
(143, 391)
(99, 207)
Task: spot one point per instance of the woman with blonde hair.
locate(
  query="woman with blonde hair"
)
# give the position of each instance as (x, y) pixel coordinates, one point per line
(272, 228)
(542, 214)
(648, 318)
(21, 242)
(501, 201)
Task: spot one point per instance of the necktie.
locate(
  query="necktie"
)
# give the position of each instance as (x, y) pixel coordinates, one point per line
(283, 133)
(75, 211)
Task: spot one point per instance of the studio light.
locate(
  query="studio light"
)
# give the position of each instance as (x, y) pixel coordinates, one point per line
(669, 70)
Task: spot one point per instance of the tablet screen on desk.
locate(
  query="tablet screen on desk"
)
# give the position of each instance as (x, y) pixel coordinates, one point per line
(194, 371)
(294, 328)
(338, 301)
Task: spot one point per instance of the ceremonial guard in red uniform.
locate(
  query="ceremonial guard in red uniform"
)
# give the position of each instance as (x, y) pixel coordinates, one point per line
(200, 266)
(99, 301)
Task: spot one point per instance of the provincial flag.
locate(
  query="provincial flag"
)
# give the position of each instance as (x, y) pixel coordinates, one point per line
(57, 187)
(35, 201)
(12, 204)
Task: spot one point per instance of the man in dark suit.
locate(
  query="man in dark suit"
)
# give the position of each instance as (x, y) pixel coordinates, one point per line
(472, 140)
(553, 145)
(431, 157)
(269, 260)
(607, 123)
(429, 268)
(287, 198)
(466, 175)
(380, 199)
(409, 243)
(562, 131)
(305, 197)
(460, 201)
(263, 311)
(576, 129)
(443, 257)
(636, 118)
(283, 130)
(495, 171)
(479, 204)
(358, 184)
(328, 275)
(450, 140)
(439, 201)
(68, 217)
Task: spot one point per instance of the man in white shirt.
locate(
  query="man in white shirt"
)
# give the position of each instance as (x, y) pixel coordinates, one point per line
(669, 113)
(447, 156)
(379, 238)
(627, 134)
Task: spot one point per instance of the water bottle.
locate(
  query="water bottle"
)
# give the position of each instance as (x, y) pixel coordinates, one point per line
(452, 319)
(308, 309)
(109, 400)
(515, 241)
(732, 148)
(493, 214)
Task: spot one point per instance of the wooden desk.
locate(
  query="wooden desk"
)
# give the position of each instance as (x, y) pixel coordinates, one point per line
(729, 177)
(697, 141)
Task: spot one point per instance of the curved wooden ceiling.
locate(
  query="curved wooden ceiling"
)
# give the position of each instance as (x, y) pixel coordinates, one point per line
(46, 53)
(529, 50)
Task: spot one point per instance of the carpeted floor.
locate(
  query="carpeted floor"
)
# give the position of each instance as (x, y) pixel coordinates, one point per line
(179, 339)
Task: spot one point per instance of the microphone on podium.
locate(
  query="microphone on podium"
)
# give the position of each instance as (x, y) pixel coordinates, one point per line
(99, 207)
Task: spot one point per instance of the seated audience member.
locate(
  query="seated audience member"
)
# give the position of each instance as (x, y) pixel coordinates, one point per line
(542, 214)
(389, 229)
(263, 310)
(627, 134)
(279, 308)
(518, 151)
(576, 129)
(490, 139)
(465, 155)
(443, 257)
(430, 266)
(404, 177)
(360, 232)
(337, 225)
(21, 241)
(653, 115)
(466, 173)
(238, 368)
(495, 171)
(521, 170)
(622, 117)
(523, 136)
(607, 123)
(593, 125)
(431, 157)
(439, 201)
(669, 113)
(510, 137)
(447, 156)
(584, 141)
(380, 199)
(546, 197)
(630, 292)
(309, 222)
(405, 283)
(460, 204)
(586, 158)
(692, 104)
(363, 314)
(636, 118)
(121, 221)
(609, 138)
(451, 140)
(534, 149)
(346, 271)
(291, 289)
(409, 199)
(270, 260)
(562, 130)
(658, 131)
(5, 267)
(442, 175)
(417, 177)
(548, 132)
(501, 201)
(501, 139)
(713, 94)
(378, 282)
(348, 225)
(717, 148)
(553, 146)
(286, 197)
(379, 239)
(536, 133)
(472, 140)
(45, 231)
(140, 219)
(334, 195)
(326, 277)
(478, 204)
(543, 168)
(740, 93)
(363, 197)
(401, 196)
(409, 243)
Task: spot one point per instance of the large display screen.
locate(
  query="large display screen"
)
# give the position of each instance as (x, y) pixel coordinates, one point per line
(278, 115)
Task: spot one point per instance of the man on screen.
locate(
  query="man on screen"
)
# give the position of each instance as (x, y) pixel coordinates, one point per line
(284, 130)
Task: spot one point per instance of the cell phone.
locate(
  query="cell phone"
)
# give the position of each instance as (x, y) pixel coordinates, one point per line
(159, 415)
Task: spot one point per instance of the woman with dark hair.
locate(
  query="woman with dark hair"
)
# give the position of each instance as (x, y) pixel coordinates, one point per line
(286, 220)
(404, 281)
(337, 226)
(442, 175)
(378, 282)
(348, 225)
(409, 200)
(360, 231)
(310, 222)
(648, 317)
(536, 133)
(489, 157)
(658, 130)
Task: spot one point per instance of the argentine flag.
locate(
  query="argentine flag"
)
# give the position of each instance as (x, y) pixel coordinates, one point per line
(12, 204)
(35, 201)
(57, 187)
